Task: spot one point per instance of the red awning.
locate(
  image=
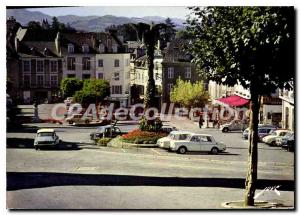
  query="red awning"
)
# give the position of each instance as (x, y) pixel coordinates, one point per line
(234, 100)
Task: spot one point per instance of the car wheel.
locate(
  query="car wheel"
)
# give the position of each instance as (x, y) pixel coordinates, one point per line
(214, 151)
(273, 143)
(71, 122)
(182, 150)
(225, 130)
(87, 121)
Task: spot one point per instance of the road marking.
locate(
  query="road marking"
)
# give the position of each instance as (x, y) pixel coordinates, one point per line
(206, 160)
(86, 168)
(156, 151)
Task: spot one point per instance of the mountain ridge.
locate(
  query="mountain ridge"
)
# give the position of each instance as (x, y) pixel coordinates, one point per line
(87, 23)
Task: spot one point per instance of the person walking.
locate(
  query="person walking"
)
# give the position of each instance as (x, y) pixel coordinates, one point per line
(200, 121)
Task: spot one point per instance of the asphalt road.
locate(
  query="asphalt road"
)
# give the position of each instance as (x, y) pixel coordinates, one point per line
(86, 177)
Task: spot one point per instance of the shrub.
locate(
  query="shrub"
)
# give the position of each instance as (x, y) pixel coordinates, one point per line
(142, 137)
(103, 141)
(150, 125)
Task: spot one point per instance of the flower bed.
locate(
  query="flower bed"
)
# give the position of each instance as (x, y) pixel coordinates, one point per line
(142, 137)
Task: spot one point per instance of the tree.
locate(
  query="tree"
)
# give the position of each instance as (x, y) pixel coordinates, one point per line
(70, 85)
(183, 34)
(55, 23)
(93, 91)
(149, 34)
(168, 32)
(45, 24)
(251, 46)
(125, 30)
(34, 25)
(189, 95)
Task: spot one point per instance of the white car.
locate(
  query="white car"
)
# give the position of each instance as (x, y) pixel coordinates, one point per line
(197, 142)
(174, 135)
(271, 138)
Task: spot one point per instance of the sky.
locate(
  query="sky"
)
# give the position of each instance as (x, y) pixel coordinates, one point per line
(127, 11)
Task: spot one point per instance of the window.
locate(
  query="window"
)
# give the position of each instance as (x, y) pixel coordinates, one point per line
(117, 76)
(26, 66)
(170, 87)
(71, 76)
(116, 89)
(117, 63)
(205, 139)
(40, 80)
(100, 76)
(115, 48)
(70, 48)
(101, 48)
(100, 63)
(53, 66)
(26, 80)
(187, 72)
(85, 48)
(86, 76)
(195, 139)
(170, 72)
(54, 80)
(39, 66)
(71, 63)
(86, 64)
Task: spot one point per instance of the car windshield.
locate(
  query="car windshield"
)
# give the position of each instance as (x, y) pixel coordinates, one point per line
(100, 129)
(288, 135)
(272, 132)
(46, 134)
(172, 136)
(189, 136)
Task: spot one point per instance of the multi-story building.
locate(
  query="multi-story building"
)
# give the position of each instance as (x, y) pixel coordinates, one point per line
(40, 64)
(139, 75)
(115, 68)
(288, 109)
(217, 91)
(176, 63)
(113, 65)
(78, 51)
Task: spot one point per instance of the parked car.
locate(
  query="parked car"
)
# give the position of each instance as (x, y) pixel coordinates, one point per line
(46, 137)
(271, 138)
(168, 129)
(79, 119)
(289, 143)
(106, 131)
(174, 135)
(234, 125)
(280, 139)
(263, 130)
(197, 142)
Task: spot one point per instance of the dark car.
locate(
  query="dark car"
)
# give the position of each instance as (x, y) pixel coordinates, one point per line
(288, 143)
(106, 131)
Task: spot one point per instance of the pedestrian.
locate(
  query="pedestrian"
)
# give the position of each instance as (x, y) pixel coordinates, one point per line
(200, 122)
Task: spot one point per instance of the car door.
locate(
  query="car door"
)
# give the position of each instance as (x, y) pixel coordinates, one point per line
(194, 144)
(206, 143)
